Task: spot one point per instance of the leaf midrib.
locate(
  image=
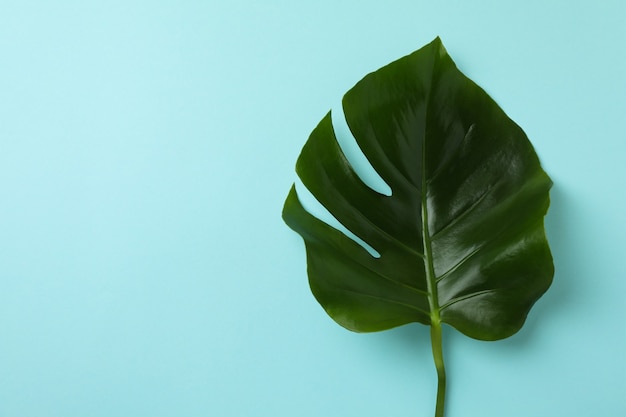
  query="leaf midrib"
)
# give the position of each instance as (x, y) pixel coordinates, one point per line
(431, 279)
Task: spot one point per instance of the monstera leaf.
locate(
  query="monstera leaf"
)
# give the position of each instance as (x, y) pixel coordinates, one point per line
(461, 237)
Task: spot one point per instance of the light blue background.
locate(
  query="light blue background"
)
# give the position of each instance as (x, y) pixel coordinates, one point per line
(146, 148)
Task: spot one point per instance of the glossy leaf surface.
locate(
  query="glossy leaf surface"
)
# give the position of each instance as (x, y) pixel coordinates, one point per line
(461, 239)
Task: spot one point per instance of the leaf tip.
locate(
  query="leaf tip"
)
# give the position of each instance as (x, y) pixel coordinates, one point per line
(437, 43)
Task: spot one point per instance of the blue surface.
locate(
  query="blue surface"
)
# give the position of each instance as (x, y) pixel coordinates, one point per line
(145, 152)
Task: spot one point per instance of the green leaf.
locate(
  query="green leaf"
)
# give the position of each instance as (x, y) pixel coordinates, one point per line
(461, 238)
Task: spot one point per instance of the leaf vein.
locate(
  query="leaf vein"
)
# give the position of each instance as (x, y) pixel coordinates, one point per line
(383, 232)
(463, 214)
(388, 300)
(467, 296)
(458, 149)
(402, 284)
(461, 262)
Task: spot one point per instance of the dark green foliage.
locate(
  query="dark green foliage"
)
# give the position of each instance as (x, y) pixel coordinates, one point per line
(461, 239)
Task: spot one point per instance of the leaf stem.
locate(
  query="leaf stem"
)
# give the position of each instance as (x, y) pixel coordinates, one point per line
(435, 338)
(433, 297)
